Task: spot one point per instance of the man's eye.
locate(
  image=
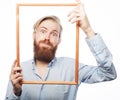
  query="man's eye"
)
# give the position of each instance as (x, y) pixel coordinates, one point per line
(54, 33)
(43, 31)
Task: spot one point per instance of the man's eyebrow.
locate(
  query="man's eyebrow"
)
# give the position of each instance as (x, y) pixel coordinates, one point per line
(47, 29)
(43, 27)
(55, 31)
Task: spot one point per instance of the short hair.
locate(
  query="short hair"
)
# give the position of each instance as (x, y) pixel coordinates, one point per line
(51, 17)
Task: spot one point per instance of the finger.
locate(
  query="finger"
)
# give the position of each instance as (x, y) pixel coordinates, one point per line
(16, 75)
(16, 70)
(74, 16)
(14, 64)
(75, 20)
(17, 80)
(74, 12)
(77, 0)
(71, 17)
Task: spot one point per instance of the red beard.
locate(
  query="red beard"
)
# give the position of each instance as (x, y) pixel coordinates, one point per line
(42, 53)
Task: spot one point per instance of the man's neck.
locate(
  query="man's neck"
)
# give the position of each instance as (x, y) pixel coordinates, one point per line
(41, 64)
(42, 68)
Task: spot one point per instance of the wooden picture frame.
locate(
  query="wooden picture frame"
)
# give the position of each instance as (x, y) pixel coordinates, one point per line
(18, 46)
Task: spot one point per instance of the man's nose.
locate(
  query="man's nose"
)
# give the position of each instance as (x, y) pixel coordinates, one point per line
(47, 37)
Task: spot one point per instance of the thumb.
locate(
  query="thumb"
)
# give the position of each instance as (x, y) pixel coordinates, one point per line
(77, 0)
(14, 63)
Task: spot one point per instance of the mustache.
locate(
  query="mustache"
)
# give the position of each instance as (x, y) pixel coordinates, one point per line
(46, 42)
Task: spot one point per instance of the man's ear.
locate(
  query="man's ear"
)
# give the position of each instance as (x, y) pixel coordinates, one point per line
(59, 41)
(33, 36)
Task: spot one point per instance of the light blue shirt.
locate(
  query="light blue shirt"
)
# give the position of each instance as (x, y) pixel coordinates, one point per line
(62, 69)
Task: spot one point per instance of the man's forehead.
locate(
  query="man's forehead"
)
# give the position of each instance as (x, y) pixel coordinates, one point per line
(49, 24)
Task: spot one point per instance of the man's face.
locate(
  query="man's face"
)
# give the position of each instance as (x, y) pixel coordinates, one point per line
(46, 40)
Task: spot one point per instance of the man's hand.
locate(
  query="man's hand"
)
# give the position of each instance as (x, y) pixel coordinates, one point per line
(16, 78)
(79, 14)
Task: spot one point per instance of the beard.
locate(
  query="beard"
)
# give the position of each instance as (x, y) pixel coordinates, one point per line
(42, 53)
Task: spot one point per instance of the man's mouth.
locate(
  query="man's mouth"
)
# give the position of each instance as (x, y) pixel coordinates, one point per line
(45, 45)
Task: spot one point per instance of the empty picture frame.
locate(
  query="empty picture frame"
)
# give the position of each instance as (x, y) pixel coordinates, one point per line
(75, 82)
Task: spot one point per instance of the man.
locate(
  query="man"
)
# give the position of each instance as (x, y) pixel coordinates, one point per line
(45, 66)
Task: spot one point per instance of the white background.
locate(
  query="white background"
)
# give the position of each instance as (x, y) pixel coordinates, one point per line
(104, 18)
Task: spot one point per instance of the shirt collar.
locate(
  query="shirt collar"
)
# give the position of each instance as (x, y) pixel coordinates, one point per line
(49, 65)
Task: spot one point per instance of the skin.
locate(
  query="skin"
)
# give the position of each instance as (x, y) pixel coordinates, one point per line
(48, 30)
(77, 14)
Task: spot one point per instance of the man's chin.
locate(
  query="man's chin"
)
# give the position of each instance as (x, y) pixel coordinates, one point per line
(44, 52)
(46, 48)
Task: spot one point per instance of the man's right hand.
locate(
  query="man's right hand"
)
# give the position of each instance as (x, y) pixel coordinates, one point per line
(79, 14)
(16, 78)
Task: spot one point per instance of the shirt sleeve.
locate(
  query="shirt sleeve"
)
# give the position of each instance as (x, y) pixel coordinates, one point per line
(104, 71)
(10, 94)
